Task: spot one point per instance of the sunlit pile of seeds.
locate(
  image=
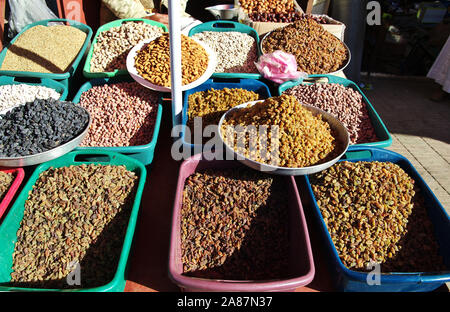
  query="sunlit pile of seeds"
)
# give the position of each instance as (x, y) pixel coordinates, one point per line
(6, 180)
(76, 214)
(375, 214)
(13, 95)
(226, 219)
(294, 136)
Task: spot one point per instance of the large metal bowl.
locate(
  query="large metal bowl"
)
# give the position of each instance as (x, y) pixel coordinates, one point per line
(330, 73)
(53, 153)
(130, 63)
(342, 137)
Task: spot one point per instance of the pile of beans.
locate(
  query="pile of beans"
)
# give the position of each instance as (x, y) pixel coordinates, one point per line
(6, 180)
(16, 94)
(285, 17)
(45, 49)
(345, 103)
(374, 213)
(76, 214)
(210, 105)
(267, 6)
(153, 61)
(301, 140)
(236, 52)
(112, 46)
(40, 126)
(226, 218)
(123, 114)
(316, 50)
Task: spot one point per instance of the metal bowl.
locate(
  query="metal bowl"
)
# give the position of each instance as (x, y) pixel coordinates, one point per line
(53, 153)
(130, 62)
(342, 137)
(330, 73)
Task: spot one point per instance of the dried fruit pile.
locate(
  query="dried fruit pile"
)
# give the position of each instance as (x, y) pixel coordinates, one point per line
(45, 49)
(226, 219)
(295, 137)
(285, 17)
(40, 126)
(112, 46)
(316, 50)
(6, 180)
(153, 61)
(374, 214)
(344, 103)
(16, 94)
(73, 214)
(236, 52)
(123, 114)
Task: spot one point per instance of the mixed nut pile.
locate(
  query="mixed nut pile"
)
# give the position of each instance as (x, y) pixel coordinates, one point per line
(285, 17)
(112, 46)
(374, 213)
(153, 61)
(267, 6)
(39, 126)
(75, 214)
(296, 138)
(123, 114)
(236, 52)
(316, 50)
(343, 102)
(6, 180)
(226, 219)
(17, 94)
(45, 49)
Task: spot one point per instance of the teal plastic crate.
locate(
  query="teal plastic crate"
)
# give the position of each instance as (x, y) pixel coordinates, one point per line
(11, 223)
(87, 65)
(385, 139)
(143, 153)
(226, 26)
(45, 82)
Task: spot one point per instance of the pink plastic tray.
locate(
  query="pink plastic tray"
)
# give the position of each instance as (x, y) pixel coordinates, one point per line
(301, 263)
(19, 175)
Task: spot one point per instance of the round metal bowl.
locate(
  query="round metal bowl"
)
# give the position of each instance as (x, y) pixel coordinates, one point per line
(212, 62)
(330, 73)
(342, 137)
(53, 153)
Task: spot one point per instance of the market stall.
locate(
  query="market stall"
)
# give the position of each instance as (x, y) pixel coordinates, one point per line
(140, 179)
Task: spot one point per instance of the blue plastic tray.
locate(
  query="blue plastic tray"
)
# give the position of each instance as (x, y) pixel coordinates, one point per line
(385, 139)
(348, 280)
(219, 84)
(143, 153)
(226, 26)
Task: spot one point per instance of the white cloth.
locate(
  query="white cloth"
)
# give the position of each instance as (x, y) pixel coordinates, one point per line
(440, 71)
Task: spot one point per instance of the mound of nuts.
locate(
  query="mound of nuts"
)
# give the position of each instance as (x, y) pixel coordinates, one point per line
(210, 105)
(343, 102)
(279, 131)
(112, 45)
(267, 6)
(6, 180)
(153, 61)
(289, 17)
(74, 215)
(236, 52)
(226, 218)
(316, 50)
(123, 114)
(367, 208)
(17, 94)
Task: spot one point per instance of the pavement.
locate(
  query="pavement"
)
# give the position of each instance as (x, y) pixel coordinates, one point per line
(420, 128)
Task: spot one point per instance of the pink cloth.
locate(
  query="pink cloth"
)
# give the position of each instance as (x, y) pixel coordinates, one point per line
(279, 67)
(440, 71)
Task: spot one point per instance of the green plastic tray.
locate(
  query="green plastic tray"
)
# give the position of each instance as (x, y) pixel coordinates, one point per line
(143, 153)
(11, 223)
(385, 139)
(87, 65)
(45, 82)
(64, 76)
(225, 26)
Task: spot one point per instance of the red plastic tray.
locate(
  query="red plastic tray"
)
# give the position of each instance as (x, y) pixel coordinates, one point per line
(19, 175)
(301, 262)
